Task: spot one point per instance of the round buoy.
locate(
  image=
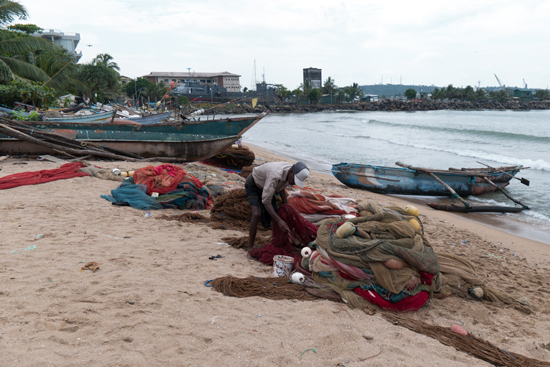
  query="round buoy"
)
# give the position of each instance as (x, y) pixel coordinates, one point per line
(345, 230)
(412, 210)
(298, 278)
(415, 224)
(116, 172)
(306, 252)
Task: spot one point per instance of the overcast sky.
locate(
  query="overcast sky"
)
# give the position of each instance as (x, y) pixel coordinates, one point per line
(367, 42)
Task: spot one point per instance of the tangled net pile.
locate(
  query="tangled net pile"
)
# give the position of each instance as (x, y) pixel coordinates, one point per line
(234, 157)
(229, 211)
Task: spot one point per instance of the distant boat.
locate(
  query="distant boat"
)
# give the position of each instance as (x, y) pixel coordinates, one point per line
(190, 141)
(405, 181)
(101, 117)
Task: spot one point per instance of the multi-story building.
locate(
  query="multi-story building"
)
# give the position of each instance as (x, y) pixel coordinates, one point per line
(69, 41)
(224, 79)
(313, 76)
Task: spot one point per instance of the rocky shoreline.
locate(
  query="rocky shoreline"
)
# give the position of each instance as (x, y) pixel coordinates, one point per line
(388, 105)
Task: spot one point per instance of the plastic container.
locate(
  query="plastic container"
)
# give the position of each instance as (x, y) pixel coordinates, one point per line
(282, 265)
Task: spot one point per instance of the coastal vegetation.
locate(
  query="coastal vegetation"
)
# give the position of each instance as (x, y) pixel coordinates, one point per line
(35, 71)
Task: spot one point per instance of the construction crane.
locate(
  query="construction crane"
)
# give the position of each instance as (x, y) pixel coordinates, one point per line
(499, 83)
(525, 84)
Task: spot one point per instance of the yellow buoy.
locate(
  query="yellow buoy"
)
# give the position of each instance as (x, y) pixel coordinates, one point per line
(412, 210)
(415, 224)
(345, 230)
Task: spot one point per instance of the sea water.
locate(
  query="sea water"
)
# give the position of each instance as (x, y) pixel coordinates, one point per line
(430, 139)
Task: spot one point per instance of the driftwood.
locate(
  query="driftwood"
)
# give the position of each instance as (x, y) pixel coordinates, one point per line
(6, 130)
(475, 209)
(47, 135)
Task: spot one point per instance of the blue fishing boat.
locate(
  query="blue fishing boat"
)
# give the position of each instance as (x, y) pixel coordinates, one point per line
(411, 181)
(101, 117)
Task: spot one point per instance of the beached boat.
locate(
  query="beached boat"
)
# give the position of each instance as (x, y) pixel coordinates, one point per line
(406, 181)
(151, 119)
(193, 140)
(101, 117)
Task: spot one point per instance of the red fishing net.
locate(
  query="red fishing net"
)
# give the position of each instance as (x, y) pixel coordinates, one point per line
(310, 203)
(68, 170)
(301, 231)
(163, 178)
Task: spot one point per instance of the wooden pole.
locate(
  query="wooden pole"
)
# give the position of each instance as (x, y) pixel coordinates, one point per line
(504, 192)
(453, 192)
(60, 139)
(6, 130)
(523, 180)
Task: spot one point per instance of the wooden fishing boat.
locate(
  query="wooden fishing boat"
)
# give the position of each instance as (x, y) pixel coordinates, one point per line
(195, 140)
(407, 181)
(101, 117)
(151, 119)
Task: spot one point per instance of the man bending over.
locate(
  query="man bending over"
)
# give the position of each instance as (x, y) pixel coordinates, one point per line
(263, 184)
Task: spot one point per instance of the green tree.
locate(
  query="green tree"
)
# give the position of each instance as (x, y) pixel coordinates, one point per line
(468, 94)
(183, 100)
(155, 91)
(436, 94)
(542, 94)
(100, 79)
(282, 92)
(451, 92)
(480, 94)
(9, 10)
(410, 93)
(498, 95)
(314, 95)
(132, 87)
(26, 28)
(16, 47)
(33, 93)
(106, 60)
(353, 91)
(329, 87)
(61, 68)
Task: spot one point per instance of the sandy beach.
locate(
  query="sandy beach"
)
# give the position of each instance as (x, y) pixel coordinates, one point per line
(147, 305)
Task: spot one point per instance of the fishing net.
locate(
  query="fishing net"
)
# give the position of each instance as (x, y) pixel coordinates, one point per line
(234, 158)
(470, 344)
(68, 170)
(163, 179)
(273, 288)
(242, 242)
(301, 234)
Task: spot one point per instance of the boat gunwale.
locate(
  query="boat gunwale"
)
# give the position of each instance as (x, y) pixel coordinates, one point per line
(511, 170)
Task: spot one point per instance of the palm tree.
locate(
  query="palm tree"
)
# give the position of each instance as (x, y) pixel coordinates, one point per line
(155, 91)
(15, 47)
(106, 60)
(61, 68)
(9, 10)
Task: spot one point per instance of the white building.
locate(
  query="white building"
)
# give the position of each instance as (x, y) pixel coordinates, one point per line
(69, 41)
(223, 79)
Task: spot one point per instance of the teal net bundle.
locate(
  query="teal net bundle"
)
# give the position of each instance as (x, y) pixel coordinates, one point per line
(176, 189)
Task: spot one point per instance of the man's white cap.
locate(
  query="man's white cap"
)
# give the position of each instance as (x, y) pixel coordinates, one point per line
(301, 172)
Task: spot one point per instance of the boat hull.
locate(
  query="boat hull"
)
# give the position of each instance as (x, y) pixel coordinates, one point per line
(189, 150)
(403, 181)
